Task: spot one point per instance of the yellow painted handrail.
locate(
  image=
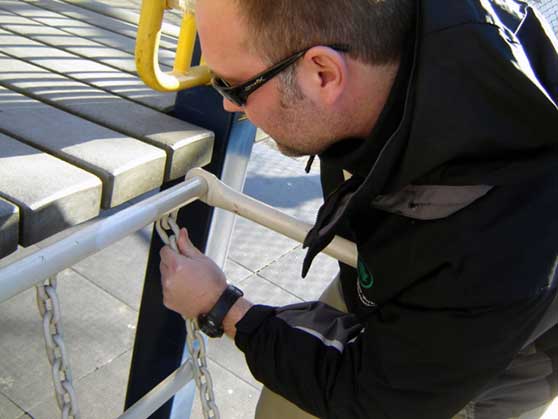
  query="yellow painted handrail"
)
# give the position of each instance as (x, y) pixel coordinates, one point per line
(183, 76)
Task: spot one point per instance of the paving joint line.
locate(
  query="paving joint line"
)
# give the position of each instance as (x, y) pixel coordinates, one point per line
(102, 289)
(281, 287)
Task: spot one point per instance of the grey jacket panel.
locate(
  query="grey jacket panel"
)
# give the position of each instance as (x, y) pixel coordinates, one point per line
(332, 327)
(430, 202)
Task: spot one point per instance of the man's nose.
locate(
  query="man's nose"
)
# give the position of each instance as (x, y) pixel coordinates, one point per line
(231, 107)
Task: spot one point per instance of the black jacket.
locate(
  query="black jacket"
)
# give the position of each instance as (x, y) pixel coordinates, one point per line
(453, 206)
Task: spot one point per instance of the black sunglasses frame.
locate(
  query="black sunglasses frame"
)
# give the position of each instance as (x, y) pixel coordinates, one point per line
(239, 94)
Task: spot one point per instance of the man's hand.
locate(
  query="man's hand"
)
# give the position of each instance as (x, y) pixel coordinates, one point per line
(192, 283)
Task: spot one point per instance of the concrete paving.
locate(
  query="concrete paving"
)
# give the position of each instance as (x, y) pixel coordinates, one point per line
(100, 301)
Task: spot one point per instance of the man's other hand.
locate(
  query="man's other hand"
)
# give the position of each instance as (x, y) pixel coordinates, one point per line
(192, 283)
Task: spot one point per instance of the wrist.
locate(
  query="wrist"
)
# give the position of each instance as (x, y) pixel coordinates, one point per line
(211, 321)
(235, 314)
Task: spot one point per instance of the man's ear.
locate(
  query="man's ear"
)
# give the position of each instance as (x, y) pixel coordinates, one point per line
(322, 75)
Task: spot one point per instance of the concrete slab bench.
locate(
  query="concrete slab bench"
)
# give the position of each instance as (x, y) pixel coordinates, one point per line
(51, 194)
(186, 145)
(9, 227)
(127, 167)
(82, 47)
(103, 19)
(80, 29)
(121, 14)
(87, 71)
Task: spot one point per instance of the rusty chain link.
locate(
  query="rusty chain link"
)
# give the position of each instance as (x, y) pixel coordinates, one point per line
(49, 308)
(194, 338)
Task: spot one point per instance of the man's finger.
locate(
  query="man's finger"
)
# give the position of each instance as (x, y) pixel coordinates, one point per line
(163, 268)
(185, 246)
(167, 255)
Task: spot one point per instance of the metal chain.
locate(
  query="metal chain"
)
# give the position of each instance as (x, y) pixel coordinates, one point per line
(194, 338)
(49, 308)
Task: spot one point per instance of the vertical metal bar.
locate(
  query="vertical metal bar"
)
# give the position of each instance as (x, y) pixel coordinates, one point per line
(160, 334)
(233, 174)
(160, 394)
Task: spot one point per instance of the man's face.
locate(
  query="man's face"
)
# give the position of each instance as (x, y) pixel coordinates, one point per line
(298, 125)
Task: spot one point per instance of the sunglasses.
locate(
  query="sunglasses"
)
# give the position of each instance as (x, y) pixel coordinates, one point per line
(239, 94)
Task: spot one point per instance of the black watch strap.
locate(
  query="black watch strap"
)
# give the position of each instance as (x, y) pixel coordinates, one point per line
(212, 323)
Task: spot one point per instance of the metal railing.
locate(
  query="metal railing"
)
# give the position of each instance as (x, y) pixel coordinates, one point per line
(183, 75)
(34, 269)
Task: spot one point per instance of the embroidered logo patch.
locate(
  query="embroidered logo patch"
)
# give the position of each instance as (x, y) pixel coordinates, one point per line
(365, 278)
(366, 281)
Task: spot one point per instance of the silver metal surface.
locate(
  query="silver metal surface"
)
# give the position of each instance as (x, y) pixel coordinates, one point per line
(56, 257)
(233, 174)
(161, 393)
(220, 195)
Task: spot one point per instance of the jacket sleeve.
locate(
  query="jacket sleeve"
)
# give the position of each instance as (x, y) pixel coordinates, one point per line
(401, 362)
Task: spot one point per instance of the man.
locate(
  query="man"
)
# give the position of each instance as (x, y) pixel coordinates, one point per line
(436, 125)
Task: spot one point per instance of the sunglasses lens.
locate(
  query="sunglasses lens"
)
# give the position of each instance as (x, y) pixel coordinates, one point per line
(226, 91)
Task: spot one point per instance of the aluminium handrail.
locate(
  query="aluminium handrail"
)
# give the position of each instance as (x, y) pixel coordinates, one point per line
(55, 257)
(183, 75)
(222, 196)
(199, 184)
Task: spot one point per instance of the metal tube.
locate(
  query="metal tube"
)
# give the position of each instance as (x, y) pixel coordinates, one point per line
(48, 261)
(220, 195)
(233, 175)
(161, 393)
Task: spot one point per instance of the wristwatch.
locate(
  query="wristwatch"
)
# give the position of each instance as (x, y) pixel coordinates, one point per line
(212, 323)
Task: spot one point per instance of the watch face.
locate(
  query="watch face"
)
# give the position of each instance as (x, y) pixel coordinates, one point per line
(209, 327)
(212, 323)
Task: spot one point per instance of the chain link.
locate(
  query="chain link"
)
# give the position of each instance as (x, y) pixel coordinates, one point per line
(194, 338)
(49, 308)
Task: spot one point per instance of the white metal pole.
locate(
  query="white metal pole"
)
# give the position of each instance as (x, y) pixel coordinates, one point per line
(161, 393)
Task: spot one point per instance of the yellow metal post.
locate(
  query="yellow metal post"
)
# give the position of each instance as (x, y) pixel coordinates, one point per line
(183, 75)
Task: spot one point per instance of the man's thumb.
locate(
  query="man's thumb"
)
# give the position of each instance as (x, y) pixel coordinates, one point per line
(185, 246)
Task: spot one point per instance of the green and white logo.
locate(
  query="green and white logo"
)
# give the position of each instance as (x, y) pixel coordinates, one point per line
(365, 281)
(365, 278)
